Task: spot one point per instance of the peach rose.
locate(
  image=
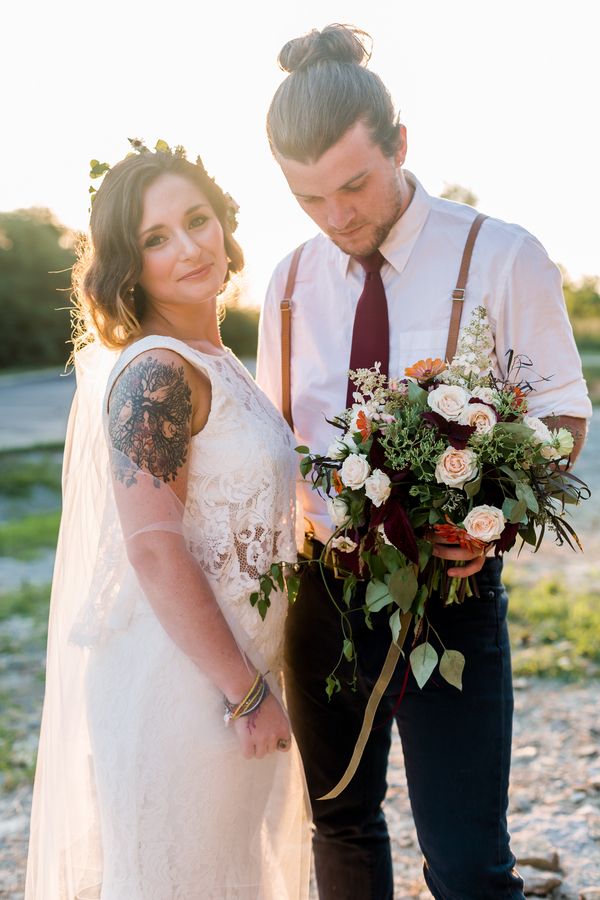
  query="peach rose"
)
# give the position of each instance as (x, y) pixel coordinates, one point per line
(456, 467)
(486, 523)
(478, 416)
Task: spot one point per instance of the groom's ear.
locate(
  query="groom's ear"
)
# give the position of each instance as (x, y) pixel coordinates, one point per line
(400, 154)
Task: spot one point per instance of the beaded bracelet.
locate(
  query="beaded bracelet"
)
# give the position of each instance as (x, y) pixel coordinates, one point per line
(255, 696)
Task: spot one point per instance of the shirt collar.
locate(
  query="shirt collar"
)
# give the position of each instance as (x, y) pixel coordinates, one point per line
(403, 236)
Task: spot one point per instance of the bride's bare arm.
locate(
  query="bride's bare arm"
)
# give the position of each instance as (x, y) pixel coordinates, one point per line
(156, 405)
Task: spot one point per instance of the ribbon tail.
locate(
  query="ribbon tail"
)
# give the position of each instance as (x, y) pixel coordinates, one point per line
(377, 693)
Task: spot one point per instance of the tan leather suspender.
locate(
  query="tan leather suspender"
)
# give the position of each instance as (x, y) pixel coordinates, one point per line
(286, 338)
(458, 296)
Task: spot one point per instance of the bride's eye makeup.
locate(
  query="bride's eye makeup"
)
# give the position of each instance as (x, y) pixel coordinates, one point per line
(153, 240)
(198, 221)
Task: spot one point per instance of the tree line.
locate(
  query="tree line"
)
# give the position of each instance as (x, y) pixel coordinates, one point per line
(36, 255)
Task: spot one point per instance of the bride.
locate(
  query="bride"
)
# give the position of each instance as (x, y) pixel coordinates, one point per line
(166, 767)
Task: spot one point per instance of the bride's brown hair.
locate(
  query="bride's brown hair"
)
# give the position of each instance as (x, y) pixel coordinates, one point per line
(108, 301)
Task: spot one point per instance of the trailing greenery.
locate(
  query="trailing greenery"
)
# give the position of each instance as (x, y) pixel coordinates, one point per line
(26, 538)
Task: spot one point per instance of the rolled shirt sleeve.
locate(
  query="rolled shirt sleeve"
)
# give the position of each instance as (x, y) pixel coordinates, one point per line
(531, 320)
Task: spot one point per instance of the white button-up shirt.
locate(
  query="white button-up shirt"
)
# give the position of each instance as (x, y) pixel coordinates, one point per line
(510, 274)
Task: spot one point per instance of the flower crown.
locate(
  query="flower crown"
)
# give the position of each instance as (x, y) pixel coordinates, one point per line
(98, 170)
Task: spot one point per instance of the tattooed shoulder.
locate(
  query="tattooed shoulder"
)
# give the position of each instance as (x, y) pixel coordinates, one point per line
(150, 417)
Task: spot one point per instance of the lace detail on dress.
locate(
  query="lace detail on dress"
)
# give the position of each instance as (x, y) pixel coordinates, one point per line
(240, 507)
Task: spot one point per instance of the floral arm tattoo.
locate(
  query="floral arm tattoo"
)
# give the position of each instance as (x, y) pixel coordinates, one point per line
(150, 420)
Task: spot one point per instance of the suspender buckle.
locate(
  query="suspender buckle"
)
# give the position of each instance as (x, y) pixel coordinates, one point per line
(458, 294)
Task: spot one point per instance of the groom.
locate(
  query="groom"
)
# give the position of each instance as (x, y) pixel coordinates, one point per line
(334, 132)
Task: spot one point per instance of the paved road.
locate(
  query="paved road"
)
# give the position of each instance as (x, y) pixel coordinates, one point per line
(35, 407)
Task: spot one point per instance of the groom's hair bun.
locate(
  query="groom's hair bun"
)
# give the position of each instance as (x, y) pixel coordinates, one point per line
(328, 90)
(339, 43)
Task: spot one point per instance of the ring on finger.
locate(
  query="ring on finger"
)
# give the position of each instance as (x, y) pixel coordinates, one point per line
(283, 744)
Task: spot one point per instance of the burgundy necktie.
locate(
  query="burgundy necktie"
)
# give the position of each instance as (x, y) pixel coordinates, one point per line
(371, 332)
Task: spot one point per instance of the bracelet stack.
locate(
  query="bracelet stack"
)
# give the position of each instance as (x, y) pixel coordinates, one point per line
(255, 696)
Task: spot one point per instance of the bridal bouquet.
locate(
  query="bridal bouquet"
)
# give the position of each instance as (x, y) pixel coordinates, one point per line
(448, 451)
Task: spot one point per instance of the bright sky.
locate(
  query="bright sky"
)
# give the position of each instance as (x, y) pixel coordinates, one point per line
(499, 96)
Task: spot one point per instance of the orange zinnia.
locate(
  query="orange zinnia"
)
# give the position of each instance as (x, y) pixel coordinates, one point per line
(363, 425)
(338, 484)
(454, 534)
(425, 369)
(519, 399)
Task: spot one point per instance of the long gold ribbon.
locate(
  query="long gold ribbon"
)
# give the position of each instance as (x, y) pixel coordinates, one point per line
(377, 693)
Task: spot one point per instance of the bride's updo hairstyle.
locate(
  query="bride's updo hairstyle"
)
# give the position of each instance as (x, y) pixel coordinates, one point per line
(328, 90)
(109, 302)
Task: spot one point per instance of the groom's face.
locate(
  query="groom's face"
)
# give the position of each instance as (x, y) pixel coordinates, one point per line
(353, 192)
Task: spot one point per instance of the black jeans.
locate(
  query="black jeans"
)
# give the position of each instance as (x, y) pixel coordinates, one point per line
(456, 747)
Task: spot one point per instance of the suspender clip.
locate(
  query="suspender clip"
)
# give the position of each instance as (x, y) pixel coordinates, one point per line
(458, 294)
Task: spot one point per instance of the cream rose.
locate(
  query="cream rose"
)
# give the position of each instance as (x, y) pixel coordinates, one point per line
(486, 523)
(344, 544)
(478, 416)
(378, 487)
(456, 467)
(339, 448)
(338, 511)
(449, 400)
(484, 393)
(355, 471)
(541, 432)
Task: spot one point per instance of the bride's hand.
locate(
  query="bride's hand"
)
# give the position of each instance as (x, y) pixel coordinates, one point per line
(265, 730)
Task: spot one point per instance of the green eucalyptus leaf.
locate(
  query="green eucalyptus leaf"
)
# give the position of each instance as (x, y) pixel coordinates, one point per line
(349, 585)
(425, 551)
(302, 449)
(391, 557)
(452, 664)
(348, 649)
(515, 511)
(305, 466)
(403, 587)
(395, 625)
(263, 605)
(420, 601)
(332, 686)
(254, 598)
(416, 394)
(292, 583)
(472, 488)
(377, 595)
(525, 493)
(423, 661)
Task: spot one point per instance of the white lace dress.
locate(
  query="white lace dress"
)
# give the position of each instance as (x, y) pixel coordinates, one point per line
(179, 814)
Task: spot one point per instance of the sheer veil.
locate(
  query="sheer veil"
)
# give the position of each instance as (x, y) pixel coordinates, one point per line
(64, 849)
(91, 600)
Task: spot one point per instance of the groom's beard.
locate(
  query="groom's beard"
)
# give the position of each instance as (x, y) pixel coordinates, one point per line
(372, 234)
